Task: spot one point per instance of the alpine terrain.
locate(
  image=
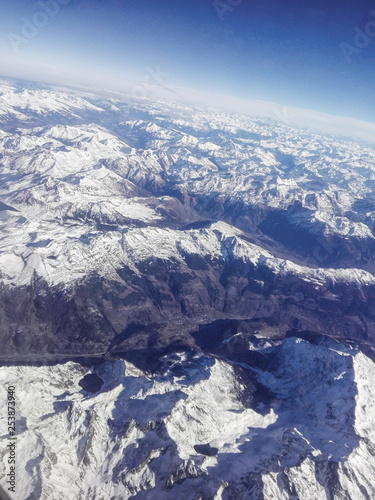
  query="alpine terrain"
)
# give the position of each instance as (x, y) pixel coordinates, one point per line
(187, 302)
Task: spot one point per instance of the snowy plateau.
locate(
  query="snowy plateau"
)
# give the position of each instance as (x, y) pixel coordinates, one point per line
(187, 302)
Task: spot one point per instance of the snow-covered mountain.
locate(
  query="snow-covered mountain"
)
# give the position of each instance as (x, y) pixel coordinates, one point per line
(294, 422)
(188, 251)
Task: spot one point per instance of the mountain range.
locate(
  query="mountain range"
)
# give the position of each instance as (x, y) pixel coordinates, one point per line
(187, 300)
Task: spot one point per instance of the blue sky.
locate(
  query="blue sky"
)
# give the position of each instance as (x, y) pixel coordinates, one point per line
(289, 52)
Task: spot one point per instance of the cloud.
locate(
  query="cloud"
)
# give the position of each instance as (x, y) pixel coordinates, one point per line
(331, 124)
